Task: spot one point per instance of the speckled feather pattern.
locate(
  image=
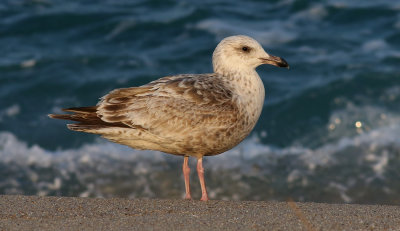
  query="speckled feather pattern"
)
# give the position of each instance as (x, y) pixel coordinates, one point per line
(192, 114)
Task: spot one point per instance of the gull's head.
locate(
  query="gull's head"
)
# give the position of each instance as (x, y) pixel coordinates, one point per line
(241, 53)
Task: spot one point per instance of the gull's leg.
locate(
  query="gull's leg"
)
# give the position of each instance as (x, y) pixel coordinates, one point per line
(200, 172)
(186, 174)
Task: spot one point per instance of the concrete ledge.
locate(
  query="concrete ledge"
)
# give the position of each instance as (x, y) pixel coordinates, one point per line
(68, 213)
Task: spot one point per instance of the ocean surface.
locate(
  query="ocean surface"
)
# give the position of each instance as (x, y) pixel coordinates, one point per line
(330, 127)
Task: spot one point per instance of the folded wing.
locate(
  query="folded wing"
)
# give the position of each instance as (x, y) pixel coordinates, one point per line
(171, 106)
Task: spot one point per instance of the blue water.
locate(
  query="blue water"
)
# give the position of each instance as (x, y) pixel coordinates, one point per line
(330, 127)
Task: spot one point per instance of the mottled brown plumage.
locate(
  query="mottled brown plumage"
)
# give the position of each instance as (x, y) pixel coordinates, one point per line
(189, 115)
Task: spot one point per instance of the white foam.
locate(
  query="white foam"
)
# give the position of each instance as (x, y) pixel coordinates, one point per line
(374, 45)
(28, 63)
(120, 28)
(16, 151)
(97, 165)
(314, 12)
(362, 4)
(11, 111)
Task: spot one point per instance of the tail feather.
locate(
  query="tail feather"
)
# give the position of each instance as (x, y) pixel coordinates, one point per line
(90, 128)
(62, 116)
(92, 109)
(87, 118)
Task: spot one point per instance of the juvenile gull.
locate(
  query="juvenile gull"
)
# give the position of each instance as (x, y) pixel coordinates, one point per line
(188, 115)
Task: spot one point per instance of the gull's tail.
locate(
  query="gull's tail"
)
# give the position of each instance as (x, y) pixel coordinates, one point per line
(88, 120)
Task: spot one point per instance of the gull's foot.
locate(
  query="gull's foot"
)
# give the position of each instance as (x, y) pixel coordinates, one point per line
(204, 198)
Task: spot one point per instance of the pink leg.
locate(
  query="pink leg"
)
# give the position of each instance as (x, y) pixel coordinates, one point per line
(200, 172)
(186, 174)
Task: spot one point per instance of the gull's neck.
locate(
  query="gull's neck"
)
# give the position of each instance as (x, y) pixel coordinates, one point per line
(233, 71)
(249, 93)
(247, 85)
(246, 82)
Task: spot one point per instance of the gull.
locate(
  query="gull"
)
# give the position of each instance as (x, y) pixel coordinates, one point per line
(190, 115)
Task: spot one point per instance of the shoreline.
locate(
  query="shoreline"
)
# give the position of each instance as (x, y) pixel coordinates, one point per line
(74, 213)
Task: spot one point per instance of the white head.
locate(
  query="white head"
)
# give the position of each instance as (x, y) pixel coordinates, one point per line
(241, 53)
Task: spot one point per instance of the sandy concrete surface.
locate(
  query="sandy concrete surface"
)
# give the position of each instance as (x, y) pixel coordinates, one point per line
(68, 213)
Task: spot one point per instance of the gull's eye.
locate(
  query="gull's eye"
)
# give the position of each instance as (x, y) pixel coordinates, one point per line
(246, 49)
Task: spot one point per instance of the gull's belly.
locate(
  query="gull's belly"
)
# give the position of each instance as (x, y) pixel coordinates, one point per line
(216, 140)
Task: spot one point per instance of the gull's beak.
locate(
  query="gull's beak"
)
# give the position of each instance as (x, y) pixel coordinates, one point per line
(274, 60)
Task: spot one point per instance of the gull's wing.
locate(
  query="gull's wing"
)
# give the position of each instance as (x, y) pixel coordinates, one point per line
(171, 105)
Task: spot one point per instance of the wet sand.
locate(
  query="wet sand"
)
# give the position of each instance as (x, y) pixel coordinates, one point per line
(70, 213)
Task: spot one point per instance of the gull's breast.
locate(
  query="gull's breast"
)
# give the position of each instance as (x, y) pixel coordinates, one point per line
(248, 98)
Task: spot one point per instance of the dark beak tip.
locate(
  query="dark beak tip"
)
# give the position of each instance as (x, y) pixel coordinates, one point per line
(283, 63)
(276, 61)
